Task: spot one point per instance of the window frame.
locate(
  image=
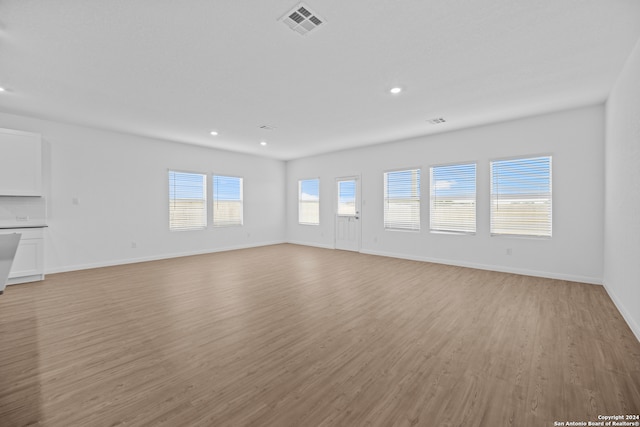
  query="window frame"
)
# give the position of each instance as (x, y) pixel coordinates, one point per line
(169, 201)
(491, 196)
(475, 199)
(385, 199)
(300, 222)
(355, 212)
(213, 200)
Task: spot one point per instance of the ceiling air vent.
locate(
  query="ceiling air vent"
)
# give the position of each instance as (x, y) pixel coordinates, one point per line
(301, 19)
(437, 121)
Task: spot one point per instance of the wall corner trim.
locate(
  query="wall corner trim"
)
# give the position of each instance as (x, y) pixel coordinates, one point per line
(635, 328)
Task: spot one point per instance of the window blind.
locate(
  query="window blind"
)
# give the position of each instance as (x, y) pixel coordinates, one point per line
(227, 201)
(187, 201)
(453, 198)
(347, 198)
(309, 201)
(521, 197)
(402, 200)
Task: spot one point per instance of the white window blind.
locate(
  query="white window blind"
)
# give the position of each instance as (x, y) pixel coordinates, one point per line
(521, 196)
(227, 201)
(347, 198)
(309, 201)
(402, 200)
(453, 198)
(187, 200)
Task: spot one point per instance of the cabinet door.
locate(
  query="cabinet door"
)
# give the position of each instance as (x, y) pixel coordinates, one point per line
(28, 260)
(20, 163)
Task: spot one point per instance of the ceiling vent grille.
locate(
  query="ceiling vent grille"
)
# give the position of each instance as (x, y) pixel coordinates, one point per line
(437, 121)
(301, 19)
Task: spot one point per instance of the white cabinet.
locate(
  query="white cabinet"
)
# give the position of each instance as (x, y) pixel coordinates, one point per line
(20, 163)
(28, 265)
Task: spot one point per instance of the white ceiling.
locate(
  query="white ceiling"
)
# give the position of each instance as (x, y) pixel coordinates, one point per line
(175, 70)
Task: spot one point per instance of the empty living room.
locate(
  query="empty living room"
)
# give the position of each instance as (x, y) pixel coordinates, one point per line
(319, 213)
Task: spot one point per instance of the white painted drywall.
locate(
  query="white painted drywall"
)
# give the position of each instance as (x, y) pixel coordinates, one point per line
(575, 140)
(120, 184)
(622, 193)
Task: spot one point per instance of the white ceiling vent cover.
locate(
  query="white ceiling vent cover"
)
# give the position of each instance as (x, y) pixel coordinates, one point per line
(301, 19)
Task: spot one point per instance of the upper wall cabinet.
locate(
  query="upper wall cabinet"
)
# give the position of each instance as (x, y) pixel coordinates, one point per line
(20, 163)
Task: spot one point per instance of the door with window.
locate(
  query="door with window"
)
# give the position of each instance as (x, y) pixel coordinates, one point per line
(348, 213)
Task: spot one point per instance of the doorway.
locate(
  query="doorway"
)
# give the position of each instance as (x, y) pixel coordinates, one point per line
(348, 213)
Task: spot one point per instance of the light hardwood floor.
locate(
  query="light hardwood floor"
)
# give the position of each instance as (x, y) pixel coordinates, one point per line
(288, 335)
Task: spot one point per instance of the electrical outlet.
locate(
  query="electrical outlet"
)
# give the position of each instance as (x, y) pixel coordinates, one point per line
(22, 218)
(134, 245)
(508, 251)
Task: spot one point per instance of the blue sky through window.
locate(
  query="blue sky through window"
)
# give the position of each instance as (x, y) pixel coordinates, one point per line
(403, 184)
(454, 181)
(310, 189)
(521, 177)
(186, 186)
(347, 191)
(227, 188)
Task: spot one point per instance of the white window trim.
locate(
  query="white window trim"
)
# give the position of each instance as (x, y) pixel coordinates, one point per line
(298, 191)
(522, 236)
(420, 195)
(167, 193)
(213, 224)
(430, 210)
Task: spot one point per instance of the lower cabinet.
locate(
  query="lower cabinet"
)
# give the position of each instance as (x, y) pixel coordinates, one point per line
(28, 265)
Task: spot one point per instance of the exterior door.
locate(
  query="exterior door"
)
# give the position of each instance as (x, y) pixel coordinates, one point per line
(348, 213)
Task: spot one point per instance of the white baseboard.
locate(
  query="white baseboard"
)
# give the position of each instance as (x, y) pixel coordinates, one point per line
(25, 279)
(111, 263)
(633, 325)
(499, 268)
(314, 244)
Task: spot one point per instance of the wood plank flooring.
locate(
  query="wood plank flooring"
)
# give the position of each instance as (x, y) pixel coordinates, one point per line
(288, 335)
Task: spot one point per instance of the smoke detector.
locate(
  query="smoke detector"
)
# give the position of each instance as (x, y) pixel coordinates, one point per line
(302, 19)
(437, 121)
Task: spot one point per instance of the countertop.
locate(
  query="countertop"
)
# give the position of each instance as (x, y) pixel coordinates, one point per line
(11, 227)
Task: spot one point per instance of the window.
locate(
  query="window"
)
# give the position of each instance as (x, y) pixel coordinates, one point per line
(187, 201)
(309, 201)
(347, 197)
(521, 197)
(402, 200)
(227, 201)
(453, 198)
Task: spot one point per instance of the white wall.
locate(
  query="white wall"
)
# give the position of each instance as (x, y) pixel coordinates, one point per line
(575, 140)
(622, 193)
(120, 182)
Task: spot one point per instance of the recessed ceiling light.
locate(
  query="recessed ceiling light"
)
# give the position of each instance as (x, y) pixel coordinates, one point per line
(214, 133)
(396, 90)
(2, 89)
(263, 143)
